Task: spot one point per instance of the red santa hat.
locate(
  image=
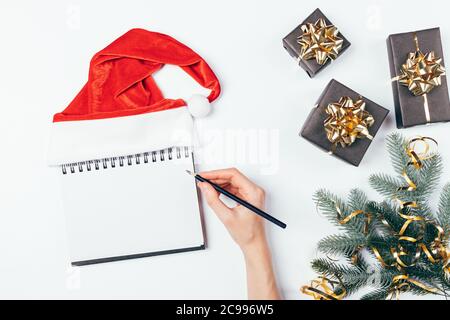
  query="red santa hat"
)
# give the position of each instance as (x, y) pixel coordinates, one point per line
(121, 110)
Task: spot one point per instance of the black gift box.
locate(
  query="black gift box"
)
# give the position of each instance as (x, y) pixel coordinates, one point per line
(313, 129)
(409, 109)
(291, 45)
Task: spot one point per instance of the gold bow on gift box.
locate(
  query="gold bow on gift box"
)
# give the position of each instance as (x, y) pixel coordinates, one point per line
(319, 41)
(421, 73)
(347, 120)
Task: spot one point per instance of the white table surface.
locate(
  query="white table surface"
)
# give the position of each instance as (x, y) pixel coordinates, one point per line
(45, 52)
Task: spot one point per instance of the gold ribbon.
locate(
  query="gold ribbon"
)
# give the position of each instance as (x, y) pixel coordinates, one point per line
(408, 219)
(438, 250)
(323, 289)
(416, 159)
(347, 120)
(353, 215)
(403, 283)
(421, 73)
(319, 41)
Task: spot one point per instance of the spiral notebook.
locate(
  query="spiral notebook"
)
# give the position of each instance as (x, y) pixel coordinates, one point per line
(132, 206)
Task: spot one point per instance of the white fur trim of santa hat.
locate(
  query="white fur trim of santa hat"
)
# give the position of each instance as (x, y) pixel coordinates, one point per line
(77, 141)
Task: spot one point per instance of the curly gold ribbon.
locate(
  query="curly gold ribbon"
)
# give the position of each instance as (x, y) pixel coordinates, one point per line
(421, 73)
(323, 289)
(380, 258)
(408, 218)
(353, 215)
(438, 250)
(403, 282)
(411, 185)
(416, 159)
(396, 290)
(427, 253)
(319, 41)
(347, 120)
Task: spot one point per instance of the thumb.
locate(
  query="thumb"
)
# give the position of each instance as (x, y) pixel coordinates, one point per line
(212, 198)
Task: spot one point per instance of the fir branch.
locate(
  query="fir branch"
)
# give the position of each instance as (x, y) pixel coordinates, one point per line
(383, 246)
(423, 210)
(443, 214)
(428, 178)
(327, 202)
(352, 278)
(357, 200)
(423, 273)
(430, 234)
(396, 146)
(378, 294)
(330, 268)
(388, 213)
(342, 245)
(387, 286)
(385, 184)
(419, 291)
(425, 178)
(361, 259)
(388, 187)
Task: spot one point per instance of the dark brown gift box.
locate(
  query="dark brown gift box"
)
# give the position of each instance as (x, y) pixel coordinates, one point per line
(409, 109)
(290, 44)
(314, 131)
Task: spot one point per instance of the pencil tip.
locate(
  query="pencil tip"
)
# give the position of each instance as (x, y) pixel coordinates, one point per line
(189, 173)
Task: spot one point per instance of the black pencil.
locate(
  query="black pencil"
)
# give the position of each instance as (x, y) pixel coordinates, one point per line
(239, 200)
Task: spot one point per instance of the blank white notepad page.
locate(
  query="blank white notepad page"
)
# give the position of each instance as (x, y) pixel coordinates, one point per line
(132, 209)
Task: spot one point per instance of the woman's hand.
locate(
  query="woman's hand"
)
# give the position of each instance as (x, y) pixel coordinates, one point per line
(245, 227)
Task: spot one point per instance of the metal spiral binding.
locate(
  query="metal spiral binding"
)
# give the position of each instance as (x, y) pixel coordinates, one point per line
(122, 161)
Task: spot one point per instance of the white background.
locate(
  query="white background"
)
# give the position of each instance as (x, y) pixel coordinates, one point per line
(45, 51)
